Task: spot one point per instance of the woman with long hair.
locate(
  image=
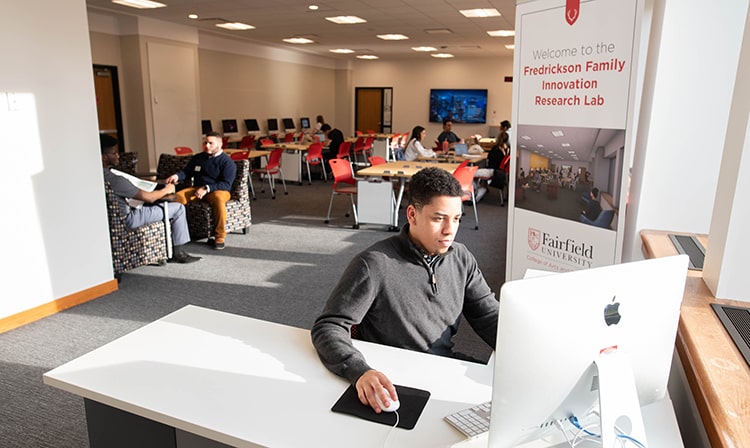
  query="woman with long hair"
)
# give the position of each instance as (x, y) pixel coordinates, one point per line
(414, 148)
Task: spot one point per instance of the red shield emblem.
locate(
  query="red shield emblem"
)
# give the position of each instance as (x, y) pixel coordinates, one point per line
(535, 238)
(572, 10)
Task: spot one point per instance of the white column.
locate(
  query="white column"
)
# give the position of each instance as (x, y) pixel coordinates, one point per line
(725, 267)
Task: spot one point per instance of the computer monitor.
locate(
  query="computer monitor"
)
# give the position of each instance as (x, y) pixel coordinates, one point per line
(594, 344)
(206, 127)
(252, 125)
(229, 126)
(273, 124)
(304, 122)
(288, 124)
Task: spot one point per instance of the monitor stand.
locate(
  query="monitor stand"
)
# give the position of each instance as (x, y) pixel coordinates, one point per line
(618, 398)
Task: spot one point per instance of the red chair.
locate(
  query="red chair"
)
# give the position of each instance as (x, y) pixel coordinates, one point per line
(239, 155)
(465, 176)
(272, 168)
(357, 133)
(359, 148)
(344, 152)
(377, 160)
(224, 142)
(343, 183)
(314, 156)
(248, 142)
(371, 132)
(182, 150)
(266, 142)
(289, 137)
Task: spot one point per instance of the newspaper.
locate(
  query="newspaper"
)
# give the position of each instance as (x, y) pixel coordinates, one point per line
(145, 185)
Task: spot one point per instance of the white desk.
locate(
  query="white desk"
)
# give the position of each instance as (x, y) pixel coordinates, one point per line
(247, 383)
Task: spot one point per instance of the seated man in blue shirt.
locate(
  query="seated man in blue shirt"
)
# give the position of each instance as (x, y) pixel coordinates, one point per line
(213, 173)
(407, 291)
(447, 135)
(148, 212)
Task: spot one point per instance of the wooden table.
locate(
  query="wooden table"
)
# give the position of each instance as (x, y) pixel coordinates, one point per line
(718, 375)
(402, 171)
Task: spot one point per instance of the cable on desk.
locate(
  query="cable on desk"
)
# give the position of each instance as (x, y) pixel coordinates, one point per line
(390, 433)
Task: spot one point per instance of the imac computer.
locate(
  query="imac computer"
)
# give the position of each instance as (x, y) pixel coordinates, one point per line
(288, 124)
(206, 127)
(229, 126)
(252, 125)
(273, 125)
(304, 122)
(579, 353)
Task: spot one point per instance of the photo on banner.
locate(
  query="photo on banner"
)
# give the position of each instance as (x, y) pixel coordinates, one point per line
(573, 107)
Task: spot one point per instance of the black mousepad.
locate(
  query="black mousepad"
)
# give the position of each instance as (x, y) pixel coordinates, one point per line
(412, 402)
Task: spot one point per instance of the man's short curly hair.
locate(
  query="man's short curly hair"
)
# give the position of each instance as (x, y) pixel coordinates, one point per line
(431, 182)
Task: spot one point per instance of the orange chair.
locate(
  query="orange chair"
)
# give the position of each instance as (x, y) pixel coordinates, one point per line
(465, 176)
(344, 151)
(343, 183)
(248, 142)
(272, 168)
(314, 156)
(182, 150)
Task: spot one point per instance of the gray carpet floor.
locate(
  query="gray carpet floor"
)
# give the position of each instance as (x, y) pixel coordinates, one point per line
(281, 271)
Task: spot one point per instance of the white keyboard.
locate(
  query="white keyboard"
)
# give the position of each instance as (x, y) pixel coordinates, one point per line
(472, 421)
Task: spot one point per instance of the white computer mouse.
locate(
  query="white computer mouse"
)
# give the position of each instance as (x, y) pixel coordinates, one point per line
(395, 404)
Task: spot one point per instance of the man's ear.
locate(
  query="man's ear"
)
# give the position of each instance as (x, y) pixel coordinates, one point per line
(411, 213)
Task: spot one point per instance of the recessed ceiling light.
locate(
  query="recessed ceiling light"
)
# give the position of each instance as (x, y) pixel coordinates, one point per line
(481, 12)
(424, 48)
(367, 56)
(442, 55)
(557, 133)
(192, 16)
(510, 46)
(235, 26)
(438, 31)
(392, 37)
(298, 40)
(501, 33)
(313, 7)
(346, 20)
(342, 50)
(526, 137)
(566, 145)
(140, 4)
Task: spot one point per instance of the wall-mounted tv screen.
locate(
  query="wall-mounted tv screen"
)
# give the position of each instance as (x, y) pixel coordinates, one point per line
(273, 124)
(304, 123)
(252, 125)
(229, 126)
(458, 105)
(206, 127)
(288, 123)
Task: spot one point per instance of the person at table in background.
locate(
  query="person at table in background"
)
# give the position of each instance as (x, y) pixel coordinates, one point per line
(414, 148)
(334, 139)
(493, 171)
(593, 207)
(147, 212)
(319, 122)
(213, 173)
(474, 146)
(447, 135)
(407, 291)
(504, 127)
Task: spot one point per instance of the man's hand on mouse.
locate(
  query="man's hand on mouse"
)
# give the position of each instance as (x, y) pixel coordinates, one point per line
(373, 382)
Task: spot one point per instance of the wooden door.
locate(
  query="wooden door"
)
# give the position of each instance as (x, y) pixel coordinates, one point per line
(108, 102)
(369, 109)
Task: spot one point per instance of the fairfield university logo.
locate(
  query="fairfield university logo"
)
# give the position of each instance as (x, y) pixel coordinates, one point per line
(535, 238)
(572, 11)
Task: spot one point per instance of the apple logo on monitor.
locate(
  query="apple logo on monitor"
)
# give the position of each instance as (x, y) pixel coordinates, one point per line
(612, 312)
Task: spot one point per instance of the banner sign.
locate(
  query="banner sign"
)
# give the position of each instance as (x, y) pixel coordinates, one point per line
(573, 103)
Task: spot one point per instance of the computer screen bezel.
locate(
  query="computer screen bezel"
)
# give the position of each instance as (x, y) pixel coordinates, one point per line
(206, 127)
(288, 124)
(552, 328)
(272, 124)
(251, 124)
(229, 126)
(304, 122)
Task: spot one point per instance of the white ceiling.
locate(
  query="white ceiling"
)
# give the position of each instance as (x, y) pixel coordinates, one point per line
(279, 19)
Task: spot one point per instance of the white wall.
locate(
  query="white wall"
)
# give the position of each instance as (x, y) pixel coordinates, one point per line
(55, 229)
(688, 87)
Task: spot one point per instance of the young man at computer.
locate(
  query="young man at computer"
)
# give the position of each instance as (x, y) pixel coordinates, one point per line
(407, 291)
(447, 135)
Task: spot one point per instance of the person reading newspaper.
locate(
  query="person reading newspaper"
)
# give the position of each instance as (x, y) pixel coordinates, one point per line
(137, 197)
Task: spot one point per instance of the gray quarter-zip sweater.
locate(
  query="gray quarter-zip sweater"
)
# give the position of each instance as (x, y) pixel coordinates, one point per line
(397, 298)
